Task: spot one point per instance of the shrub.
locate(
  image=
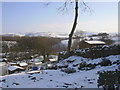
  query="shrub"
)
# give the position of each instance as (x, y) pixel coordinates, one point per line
(105, 62)
(65, 66)
(70, 61)
(69, 70)
(52, 67)
(109, 80)
(92, 66)
(94, 52)
(82, 65)
(85, 66)
(75, 65)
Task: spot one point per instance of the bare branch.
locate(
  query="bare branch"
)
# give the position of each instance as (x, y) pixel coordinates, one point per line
(68, 5)
(86, 7)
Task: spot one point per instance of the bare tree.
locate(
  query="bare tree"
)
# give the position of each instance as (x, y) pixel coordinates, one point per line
(78, 36)
(74, 26)
(64, 8)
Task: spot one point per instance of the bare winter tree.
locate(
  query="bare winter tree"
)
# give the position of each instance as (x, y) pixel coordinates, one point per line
(75, 19)
(78, 36)
(65, 8)
(74, 26)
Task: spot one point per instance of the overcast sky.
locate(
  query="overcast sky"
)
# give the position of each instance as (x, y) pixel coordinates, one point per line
(21, 17)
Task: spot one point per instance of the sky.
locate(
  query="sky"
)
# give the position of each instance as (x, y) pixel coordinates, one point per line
(22, 17)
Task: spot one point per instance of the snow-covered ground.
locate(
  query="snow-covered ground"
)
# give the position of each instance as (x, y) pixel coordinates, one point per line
(59, 79)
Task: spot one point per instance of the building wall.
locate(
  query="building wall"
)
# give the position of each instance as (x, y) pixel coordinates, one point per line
(3, 68)
(84, 45)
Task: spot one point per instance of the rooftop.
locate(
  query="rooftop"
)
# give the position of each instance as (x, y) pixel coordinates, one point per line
(95, 42)
(12, 68)
(23, 64)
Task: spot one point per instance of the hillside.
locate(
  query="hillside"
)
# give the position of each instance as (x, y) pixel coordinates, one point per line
(81, 78)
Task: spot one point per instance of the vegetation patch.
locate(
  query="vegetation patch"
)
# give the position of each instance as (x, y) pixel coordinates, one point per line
(109, 80)
(85, 66)
(65, 66)
(69, 70)
(105, 62)
(54, 67)
(70, 61)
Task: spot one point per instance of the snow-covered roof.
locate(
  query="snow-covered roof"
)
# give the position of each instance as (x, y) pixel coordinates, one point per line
(23, 64)
(12, 63)
(53, 59)
(32, 72)
(49, 65)
(12, 68)
(3, 59)
(38, 63)
(95, 42)
(38, 59)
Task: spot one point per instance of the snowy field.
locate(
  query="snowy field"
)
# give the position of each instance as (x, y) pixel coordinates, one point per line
(59, 79)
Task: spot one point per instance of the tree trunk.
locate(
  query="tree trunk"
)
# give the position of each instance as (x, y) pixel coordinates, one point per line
(74, 26)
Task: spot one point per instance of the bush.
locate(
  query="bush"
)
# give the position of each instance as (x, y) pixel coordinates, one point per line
(75, 65)
(82, 65)
(109, 80)
(70, 61)
(85, 66)
(94, 52)
(52, 67)
(105, 62)
(91, 66)
(65, 66)
(69, 70)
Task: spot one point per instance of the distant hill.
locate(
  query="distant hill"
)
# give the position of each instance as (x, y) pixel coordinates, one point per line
(48, 34)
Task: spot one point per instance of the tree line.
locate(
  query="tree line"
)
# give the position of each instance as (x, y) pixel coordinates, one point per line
(32, 45)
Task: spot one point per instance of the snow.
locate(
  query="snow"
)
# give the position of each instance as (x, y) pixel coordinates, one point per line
(38, 59)
(33, 72)
(59, 79)
(23, 64)
(49, 65)
(12, 63)
(38, 63)
(12, 68)
(53, 59)
(95, 42)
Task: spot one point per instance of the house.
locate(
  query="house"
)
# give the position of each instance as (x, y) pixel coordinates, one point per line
(23, 64)
(3, 60)
(15, 69)
(37, 59)
(89, 44)
(38, 64)
(13, 64)
(53, 58)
